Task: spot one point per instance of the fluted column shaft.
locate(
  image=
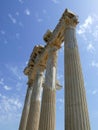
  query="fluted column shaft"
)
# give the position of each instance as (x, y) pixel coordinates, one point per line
(76, 112)
(47, 117)
(34, 113)
(26, 107)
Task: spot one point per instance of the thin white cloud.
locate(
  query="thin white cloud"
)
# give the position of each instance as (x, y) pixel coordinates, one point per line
(94, 114)
(15, 71)
(27, 12)
(5, 41)
(89, 33)
(26, 62)
(94, 64)
(90, 48)
(62, 48)
(1, 81)
(17, 13)
(12, 18)
(55, 1)
(94, 92)
(21, 24)
(90, 26)
(44, 11)
(18, 77)
(95, 33)
(7, 87)
(60, 100)
(60, 76)
(17, 35)
(21, 1)
(9, 107)
(38, 18)
(2, 32)
(3, 84)
(86, 25)
(19, 86)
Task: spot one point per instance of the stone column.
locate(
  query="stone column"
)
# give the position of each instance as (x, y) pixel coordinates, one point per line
(34, 113)
(76, 112)
(48, 108)
(26, 107)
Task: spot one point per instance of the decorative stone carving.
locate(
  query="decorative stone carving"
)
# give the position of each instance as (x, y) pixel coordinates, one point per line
(34, 56)
(47, 36)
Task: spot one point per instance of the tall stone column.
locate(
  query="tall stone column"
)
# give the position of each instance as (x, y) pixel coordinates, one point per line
(34, 113)
(76, 112)
(26, 107)
(47, 117)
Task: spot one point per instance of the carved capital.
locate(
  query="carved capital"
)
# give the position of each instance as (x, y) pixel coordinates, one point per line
(69, 18)
(71, 21)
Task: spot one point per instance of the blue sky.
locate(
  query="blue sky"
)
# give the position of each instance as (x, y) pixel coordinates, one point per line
(22, 26)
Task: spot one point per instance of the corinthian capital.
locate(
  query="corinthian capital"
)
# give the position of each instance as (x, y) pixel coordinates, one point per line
(69, 18)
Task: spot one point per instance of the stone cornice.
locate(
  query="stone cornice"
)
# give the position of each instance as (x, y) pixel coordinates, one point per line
(56, 37)
(33, 58)
(69, 15)
(53, 39)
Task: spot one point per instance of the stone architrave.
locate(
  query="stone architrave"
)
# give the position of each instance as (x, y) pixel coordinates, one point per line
(48, 108)
(76, 112)
(26, 107)
(34, 112)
